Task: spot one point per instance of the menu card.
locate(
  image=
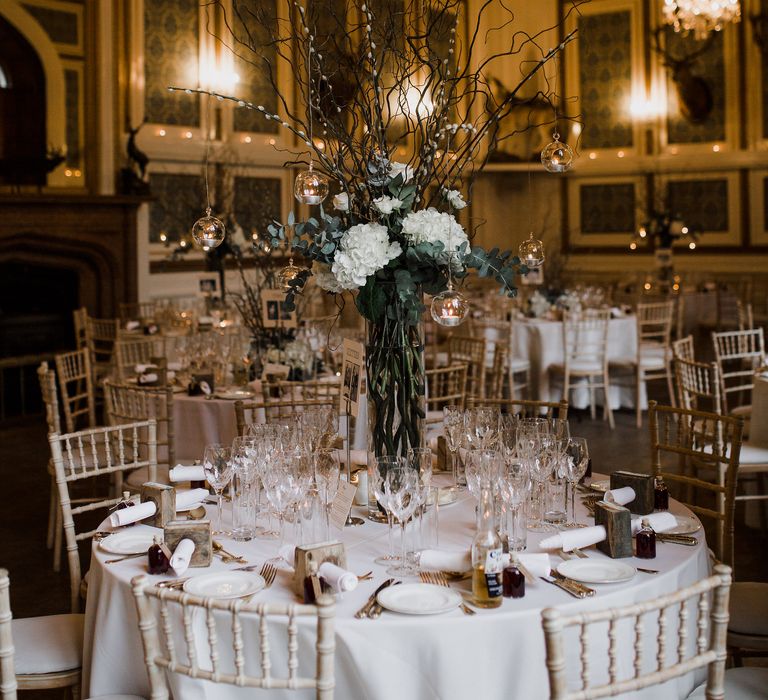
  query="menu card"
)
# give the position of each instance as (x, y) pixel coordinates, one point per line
(342, 504)
(352, 377)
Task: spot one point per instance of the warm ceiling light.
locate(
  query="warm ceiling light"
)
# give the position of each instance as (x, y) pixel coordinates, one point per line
(700, 16)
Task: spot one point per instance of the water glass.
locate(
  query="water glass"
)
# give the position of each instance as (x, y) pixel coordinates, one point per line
(217, 464)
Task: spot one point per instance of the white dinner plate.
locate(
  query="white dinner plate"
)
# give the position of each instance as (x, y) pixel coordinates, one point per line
(445, 496)
(418, 599)
(128, 542)
(596, 570)
(233, 393)
(686, 525)
(225, 584)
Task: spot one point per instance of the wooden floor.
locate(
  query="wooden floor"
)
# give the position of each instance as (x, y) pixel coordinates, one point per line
(37, 590)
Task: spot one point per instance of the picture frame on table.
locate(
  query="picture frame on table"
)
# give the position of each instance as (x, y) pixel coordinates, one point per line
(274, 312)
(352, 373)
(207, 284)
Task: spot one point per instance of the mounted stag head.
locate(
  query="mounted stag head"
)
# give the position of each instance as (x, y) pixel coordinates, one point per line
(693, 91)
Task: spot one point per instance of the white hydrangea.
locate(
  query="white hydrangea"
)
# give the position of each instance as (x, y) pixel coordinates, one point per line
(363, 250)
(386, 205)
(325, 278)
(396, 168)
(455, 199)
(432, 226)
(341, 201)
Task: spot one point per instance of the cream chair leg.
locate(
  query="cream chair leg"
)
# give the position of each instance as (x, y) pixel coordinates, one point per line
(607, 395)
(592, 402)
(670, 389)
(57, 540)
(638, 409)
(52, 507)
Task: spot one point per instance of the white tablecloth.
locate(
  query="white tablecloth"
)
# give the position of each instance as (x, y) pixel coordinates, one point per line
(541, 343)
(758, 426)
(496, 654)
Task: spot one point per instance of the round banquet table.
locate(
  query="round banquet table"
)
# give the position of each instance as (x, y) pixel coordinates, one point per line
(493, 654)
(758, 427)
(540, 342)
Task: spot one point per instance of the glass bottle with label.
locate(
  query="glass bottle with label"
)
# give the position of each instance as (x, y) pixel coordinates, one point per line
(486, 557)
(645, 541)
(660, 495)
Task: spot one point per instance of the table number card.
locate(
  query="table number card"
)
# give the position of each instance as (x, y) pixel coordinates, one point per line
(342, 504)
(352, 377)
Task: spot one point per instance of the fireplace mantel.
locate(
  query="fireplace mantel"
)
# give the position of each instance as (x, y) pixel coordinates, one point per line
(94, 235)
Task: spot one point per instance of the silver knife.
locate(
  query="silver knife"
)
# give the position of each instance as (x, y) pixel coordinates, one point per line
(686, 540)
(363, 612)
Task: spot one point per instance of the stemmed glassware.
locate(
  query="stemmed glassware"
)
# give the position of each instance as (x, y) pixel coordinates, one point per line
(401, 487)
(245, 481)
(420, 459)
(513, 485)
(555, 445)
(576, 459)
(217, 464)
(453, 427)
(327, 475)
(481, 427)
(378, 477)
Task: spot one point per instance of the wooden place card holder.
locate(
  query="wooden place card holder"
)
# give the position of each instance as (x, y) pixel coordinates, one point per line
(618, 527)
(642, 484)
(319, 553)
(164, 498)
(199, 531)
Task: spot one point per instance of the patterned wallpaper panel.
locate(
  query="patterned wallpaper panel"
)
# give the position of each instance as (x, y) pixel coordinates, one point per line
(764, 57)
(179, 202)
(250, 25)
(605, 79)
(257, 202)
(171, 42)
(72, 130)
(703, 204)
(710, 66)
(607, 208)
(765, 204)
(60, 25)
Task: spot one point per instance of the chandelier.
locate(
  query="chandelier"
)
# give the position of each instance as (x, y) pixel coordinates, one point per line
(700, 16)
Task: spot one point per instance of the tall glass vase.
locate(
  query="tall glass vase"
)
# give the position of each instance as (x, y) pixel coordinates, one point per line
(395, 388)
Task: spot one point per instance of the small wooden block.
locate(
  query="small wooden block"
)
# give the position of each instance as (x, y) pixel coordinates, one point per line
(164, 498)
(319, 553)
(618, 527)
(643, 485)
(199, 531)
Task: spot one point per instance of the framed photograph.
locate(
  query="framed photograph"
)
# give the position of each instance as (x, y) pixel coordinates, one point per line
(207, 284)
(352, 373)
(274, 312)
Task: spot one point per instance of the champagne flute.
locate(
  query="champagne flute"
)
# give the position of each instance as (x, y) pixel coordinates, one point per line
(401, 486)
(378, 477)
(453, 427)
(577, 457)
(217, 464)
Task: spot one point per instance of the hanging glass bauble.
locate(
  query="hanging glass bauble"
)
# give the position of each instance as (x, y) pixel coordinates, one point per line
(311, 187)
(208, 231)
(289, 273)
(557, 157)
(531, 251)
(449, 308)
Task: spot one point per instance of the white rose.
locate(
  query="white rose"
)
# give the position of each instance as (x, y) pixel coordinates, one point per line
(363, 250)
(455, 199)
(341, 201)
(396, 168)
(386, 205)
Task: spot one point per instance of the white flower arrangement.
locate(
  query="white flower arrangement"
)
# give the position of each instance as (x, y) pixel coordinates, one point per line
(363, 251)
(432, 226)
(386, 205)
(454, 198)
(341, 202)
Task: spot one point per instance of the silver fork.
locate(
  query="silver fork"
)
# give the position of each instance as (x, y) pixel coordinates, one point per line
(268, 573)
(438, 578)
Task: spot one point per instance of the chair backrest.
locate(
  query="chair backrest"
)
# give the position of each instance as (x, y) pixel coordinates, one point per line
(47, 379)
(687, 614)
(525, 408)
(687, 446)
(698, 385)
(129, 353)
(471, 352)
(76, 386)
(247, 412)
(208, 638)
(8, 685)
(446, 386)
(80, 319)
(746, 318)
(129, 403)
(683, 349)
(97, 454)
(654, 325)
(738, 354)
(498, 382)
(284, 399)
(101, 334)
(585, 338)
(137, 311)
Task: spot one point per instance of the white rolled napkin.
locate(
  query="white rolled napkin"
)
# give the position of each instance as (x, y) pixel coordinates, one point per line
(568, 540)
(537, 564)
(205, 387)
(147, 378)
(174, 366)
(287, 552)
(132, 325)
(170, 375)
(126, 516)
(142, 369)
(187, 473)
(205, 320)
(182, 555)
(186, 500)
(337, 578)
(660, 522)
(438, 560)
(620, 496)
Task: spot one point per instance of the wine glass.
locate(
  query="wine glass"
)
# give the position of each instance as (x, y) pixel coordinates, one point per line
(453, 427)
(420, 459)
(576, 459)
(514, 487)
(401, 486)
(217, 464)
(327, 475)
(245, 484)
(378, 477)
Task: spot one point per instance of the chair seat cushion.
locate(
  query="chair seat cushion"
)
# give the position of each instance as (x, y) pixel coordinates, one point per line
(579, 367)
(518, 365)
(745, 411)
(747, 683)
(48, 644)
(749, 608)
(753, 454)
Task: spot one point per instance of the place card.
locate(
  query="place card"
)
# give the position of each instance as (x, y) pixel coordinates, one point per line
(352, 377)
(342, 504)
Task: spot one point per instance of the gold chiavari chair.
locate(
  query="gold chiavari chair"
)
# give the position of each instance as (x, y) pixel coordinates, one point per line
(137, 311)
(80, 318)
(76, 388)
(132, 352)
(247, 412)
(101, 334)
(471, 352)
(284, 399)
(525, 408)
(446, 386)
